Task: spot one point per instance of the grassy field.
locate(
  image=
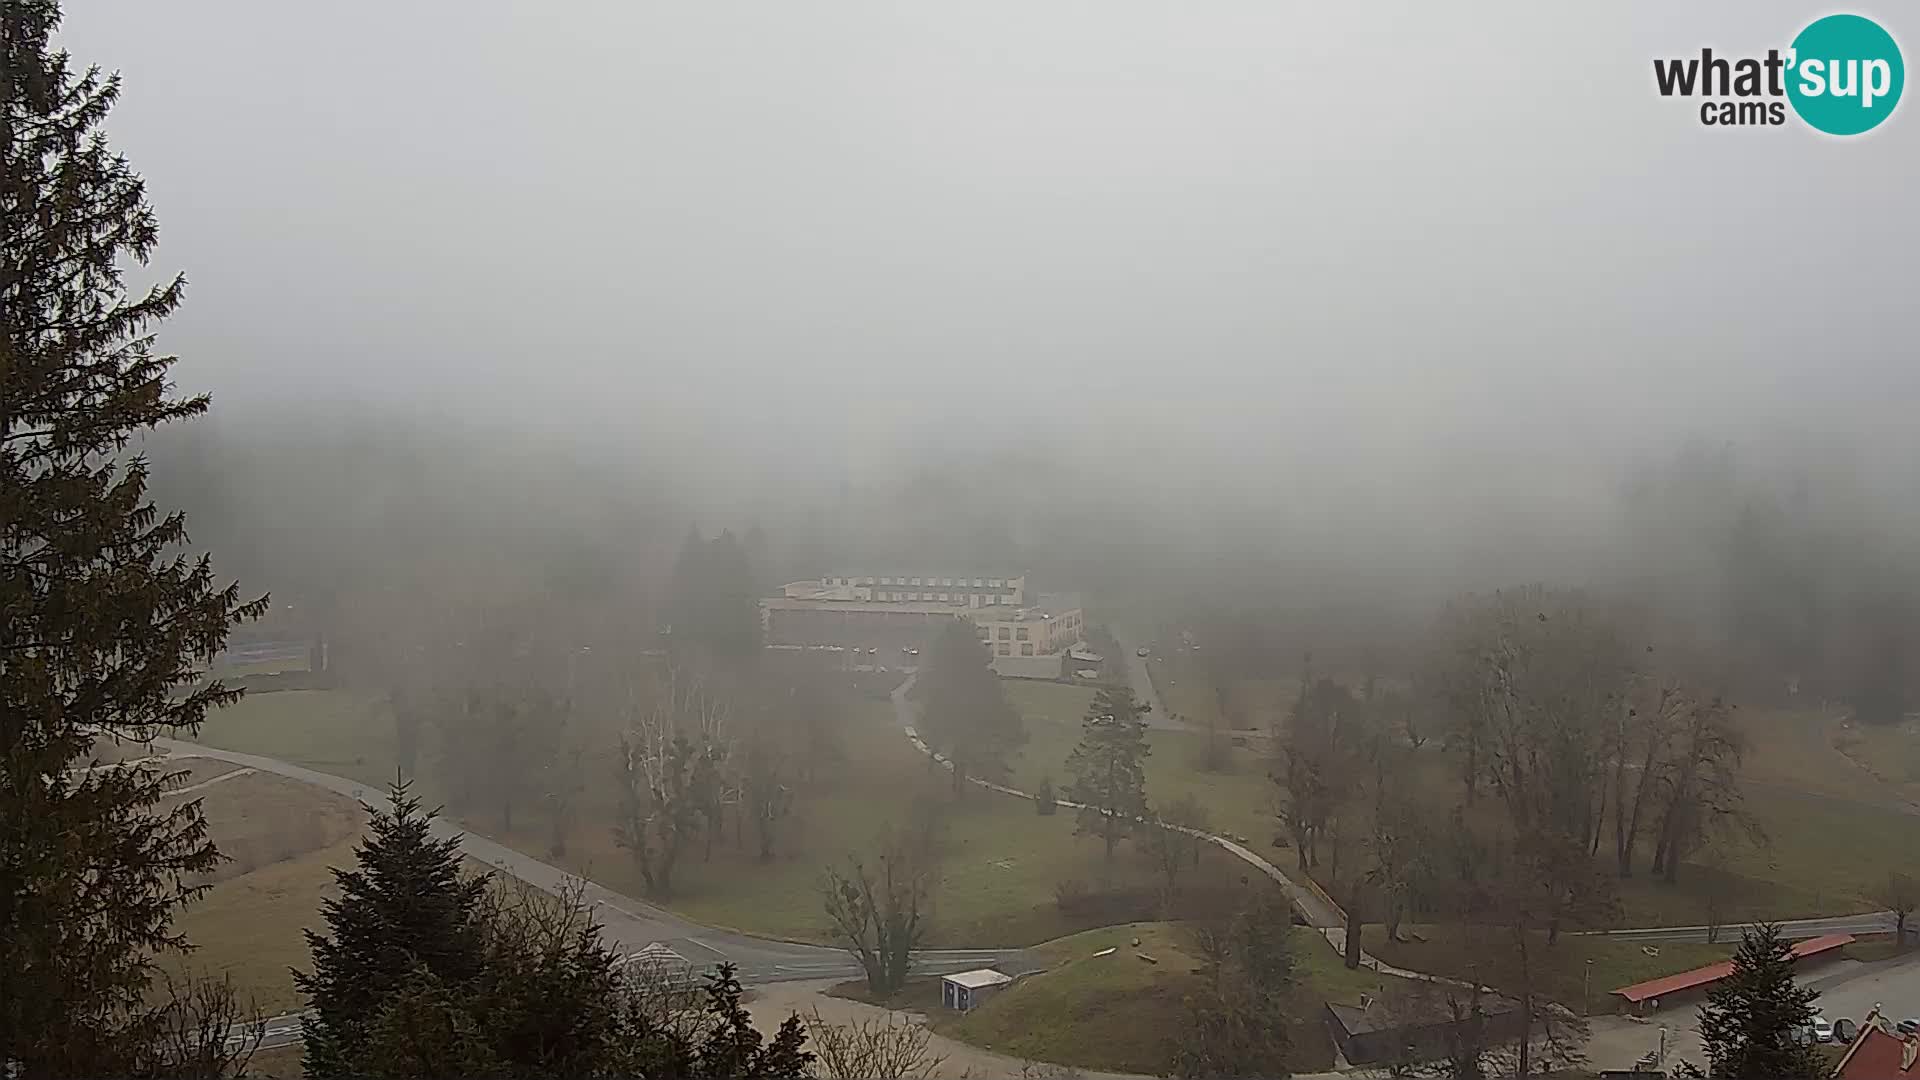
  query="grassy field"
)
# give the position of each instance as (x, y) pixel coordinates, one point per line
(1487, 955)
(280, 1063)
(335, 731)
(1237, 799)
(260, 819)
(1889, 755)
(248, 927)
(1120, 1013)
(999, 865)
(999, 862)
(279, 837)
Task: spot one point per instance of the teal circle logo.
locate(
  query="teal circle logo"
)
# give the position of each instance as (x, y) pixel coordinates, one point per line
(1846, 74)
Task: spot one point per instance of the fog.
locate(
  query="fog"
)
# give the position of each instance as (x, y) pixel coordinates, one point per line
(1386, 302)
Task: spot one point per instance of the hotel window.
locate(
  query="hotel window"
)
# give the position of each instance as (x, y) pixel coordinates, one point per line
(1006, 634)
(1021, 633)
(1026, 650)
(915, 581)
(1003, 649)
(978, 582)
(943, 598)
(996, 582)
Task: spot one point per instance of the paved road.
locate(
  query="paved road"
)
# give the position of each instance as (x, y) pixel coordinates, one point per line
(628, 923)
(1142, 684)
(1870, 922)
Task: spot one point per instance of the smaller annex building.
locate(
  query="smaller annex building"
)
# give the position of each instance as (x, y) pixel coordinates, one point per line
(1645, 996)
(968, 989)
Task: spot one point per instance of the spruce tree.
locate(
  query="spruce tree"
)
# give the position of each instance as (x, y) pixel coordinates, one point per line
(1108, 767)
(404, 911)
(103, 620)
(965, 714)
(1751, 1020)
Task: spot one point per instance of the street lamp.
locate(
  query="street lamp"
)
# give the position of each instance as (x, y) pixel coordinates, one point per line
(1586, 990)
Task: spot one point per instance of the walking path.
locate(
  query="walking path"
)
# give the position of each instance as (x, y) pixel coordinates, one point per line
(961, 1060)
(1313, 906)
(233, 774)
(625, 921)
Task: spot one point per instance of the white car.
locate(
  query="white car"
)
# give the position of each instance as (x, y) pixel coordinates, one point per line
(1822, 1029)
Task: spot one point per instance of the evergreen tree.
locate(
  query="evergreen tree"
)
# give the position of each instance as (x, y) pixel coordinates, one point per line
(404, 910)
(1109, 774)
(712, 613)
(102, 619)
(965, 714)
(733, 1050)
(1750, 1021)
(1236, 1019)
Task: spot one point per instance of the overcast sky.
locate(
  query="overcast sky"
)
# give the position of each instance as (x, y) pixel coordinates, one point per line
(1310, 232)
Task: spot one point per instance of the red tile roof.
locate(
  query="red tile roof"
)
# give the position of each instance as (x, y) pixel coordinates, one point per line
(1877, 1054)
(1713, 973)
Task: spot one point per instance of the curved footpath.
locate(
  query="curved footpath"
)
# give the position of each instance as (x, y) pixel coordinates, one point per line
(632, 924)
(629, 923)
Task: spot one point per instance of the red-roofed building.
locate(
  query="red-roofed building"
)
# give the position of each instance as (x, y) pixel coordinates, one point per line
(1704, 977)
(1879, 1054)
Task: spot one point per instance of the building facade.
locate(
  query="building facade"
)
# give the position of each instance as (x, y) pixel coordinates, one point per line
(882, 613)
(955, 590)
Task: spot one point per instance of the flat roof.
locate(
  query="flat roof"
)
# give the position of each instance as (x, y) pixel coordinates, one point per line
(1713, 973)
(788, 603)
(979, 977)
(1412, 1012)
(1000, 575)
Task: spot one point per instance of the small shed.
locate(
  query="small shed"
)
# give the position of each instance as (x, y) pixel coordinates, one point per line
(968, 989)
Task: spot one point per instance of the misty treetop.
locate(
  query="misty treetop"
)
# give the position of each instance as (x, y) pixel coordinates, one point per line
(426, 971)
(712, 610)
(102, 619)
(964, 711)
(1108, 768)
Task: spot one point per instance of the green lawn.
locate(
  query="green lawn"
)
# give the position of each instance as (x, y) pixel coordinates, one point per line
(1001, 862)
(1119, 1012)
(1237, 799)
(248, 927)
(336, 731)
(1487, 955)
(999, 866)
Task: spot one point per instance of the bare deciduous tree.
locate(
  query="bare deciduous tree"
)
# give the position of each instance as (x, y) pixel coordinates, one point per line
(1900, 895)
(666, 792)
(1173, 845)
(200, 1031)
(885, 1047)
(878, 913)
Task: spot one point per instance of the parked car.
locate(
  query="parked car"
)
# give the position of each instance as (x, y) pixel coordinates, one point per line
(1141, 651)
(1844, 1030)
(1909, 1026)
(1822, 1029)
